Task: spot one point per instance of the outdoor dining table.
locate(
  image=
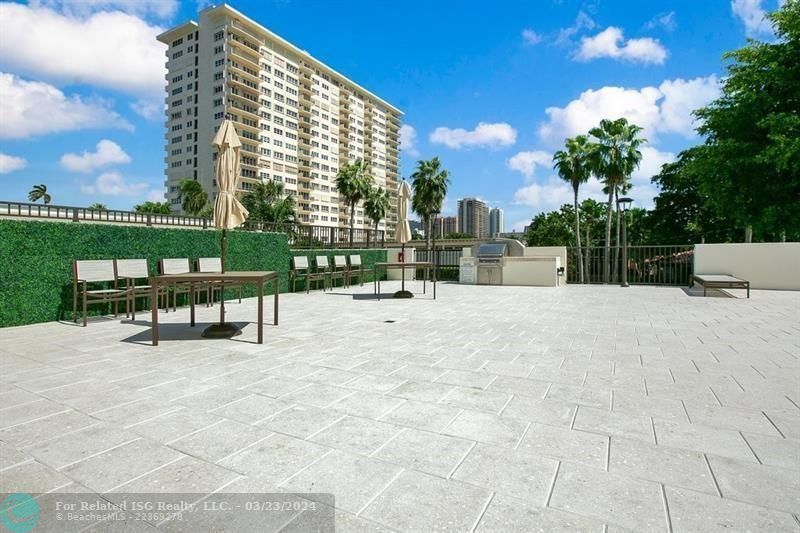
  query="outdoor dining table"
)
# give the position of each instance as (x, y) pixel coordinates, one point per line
(202, 278)
(427, 265)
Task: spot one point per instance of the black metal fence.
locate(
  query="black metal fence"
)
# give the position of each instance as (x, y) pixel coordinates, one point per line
(300, 236)
(647, 265)
(446, 259)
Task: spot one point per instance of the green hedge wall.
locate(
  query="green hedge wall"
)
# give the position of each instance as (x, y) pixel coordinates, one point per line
(36, 259)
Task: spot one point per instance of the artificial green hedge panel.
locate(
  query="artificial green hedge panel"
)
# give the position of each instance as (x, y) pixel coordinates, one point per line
(36, 259)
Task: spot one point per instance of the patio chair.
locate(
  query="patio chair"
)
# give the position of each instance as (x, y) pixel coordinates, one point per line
(174, 266)
(96, 271)
(339, 270)
(299, 272)
(355, 269)
(320, 273)
(214, 264)
(130, 271)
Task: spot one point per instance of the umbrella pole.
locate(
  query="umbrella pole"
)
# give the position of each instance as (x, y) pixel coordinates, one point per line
(403, 293)
(222, 330)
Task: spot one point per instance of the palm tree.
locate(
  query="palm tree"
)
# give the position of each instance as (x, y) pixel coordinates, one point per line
(268, 202)
(98, 207)
(353, 181)
(614, 157)
(376, 205)
(430, 183)
(161, 208)
(39, 192)
(572, 166)
(193, 197)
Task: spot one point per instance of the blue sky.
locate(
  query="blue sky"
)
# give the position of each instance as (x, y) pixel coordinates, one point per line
(492, 89)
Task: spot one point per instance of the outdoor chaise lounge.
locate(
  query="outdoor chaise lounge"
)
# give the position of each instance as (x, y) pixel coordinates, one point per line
(129, 271)
(96, 271)
(719, 281)
(355, 269)
(214, 264)
(339, 270)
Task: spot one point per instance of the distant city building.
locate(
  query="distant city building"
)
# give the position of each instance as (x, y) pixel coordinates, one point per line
(473, 217)
(495, 222)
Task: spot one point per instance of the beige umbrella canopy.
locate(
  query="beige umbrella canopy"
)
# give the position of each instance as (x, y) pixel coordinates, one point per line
(403, 233)
(228, 211)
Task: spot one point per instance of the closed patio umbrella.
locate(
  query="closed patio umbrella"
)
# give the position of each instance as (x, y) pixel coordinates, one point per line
(403, 232)
(228, 211)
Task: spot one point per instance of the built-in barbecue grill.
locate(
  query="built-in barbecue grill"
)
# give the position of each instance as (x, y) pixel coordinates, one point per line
(491, 259)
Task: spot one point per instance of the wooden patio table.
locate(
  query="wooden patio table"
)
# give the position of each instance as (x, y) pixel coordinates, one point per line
(202, 278)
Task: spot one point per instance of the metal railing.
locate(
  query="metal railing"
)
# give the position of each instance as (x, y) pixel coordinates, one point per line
(647, 265)
(300, 236)
(447, 261)
(79, 214)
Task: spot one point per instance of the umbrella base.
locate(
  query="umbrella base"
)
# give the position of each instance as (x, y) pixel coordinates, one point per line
(226, 330)
(403, 294)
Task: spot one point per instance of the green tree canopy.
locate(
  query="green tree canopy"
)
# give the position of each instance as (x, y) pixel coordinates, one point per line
(749, 165)
(193, 197)
(353, 182)
(160, 208)
(39, 192)
(429, 182)
(269, 202)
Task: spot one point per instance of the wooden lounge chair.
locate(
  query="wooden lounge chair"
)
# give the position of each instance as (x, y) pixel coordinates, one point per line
(129, 271)
(339, 270)
(719, 281)
(96, 271)
(299, 272)
(174, 266)
(320, 273)
(214, 264)
(355, 269)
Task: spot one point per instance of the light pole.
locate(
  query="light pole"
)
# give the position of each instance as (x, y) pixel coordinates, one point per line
(624, 204)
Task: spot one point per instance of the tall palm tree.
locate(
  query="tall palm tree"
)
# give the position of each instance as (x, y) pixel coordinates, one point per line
(39, 192)
(614, 158)
(353, 181)
(430, 183)
(193, 197)
(376, 205)
(573, 167)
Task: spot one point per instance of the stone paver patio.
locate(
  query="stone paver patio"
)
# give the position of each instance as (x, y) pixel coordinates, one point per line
(489, 409)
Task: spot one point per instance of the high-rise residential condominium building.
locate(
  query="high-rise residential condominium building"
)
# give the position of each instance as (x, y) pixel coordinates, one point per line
(444, 226)
(495, 222)
(473, 217)
(298, 119)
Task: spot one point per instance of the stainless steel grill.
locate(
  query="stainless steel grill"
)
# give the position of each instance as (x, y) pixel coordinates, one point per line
(491, 259)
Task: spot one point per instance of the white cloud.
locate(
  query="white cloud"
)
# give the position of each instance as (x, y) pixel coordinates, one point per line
(108, 153)
(408, 140)
(582, 22)
(652, 161)
(530, 37)
(526, 162)
(10, 163)
(663, 109)
(155, 195)
(163, 9)
(484, 135)
(30, 108)
(753, 16)
(611, 43)
(662, 20)
(149, 109)
(112, 184)
(107, 49)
